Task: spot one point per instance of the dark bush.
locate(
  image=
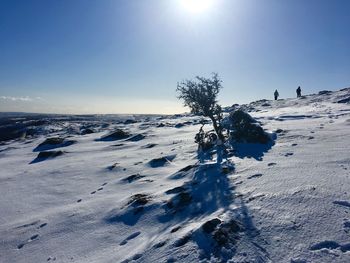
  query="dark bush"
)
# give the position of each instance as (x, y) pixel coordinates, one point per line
(244, 128)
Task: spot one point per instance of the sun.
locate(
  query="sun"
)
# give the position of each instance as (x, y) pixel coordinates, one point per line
(196, 6)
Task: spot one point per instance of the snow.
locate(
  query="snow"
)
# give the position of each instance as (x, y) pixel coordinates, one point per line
(107, 201)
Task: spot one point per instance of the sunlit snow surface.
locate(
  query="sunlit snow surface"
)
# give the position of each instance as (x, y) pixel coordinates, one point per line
(145, 198)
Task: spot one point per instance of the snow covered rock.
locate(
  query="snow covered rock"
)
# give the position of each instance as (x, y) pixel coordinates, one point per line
(52, 143)
(42, 156)
(116, 135)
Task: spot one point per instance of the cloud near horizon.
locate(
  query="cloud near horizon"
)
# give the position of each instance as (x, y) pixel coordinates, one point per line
(26, 98)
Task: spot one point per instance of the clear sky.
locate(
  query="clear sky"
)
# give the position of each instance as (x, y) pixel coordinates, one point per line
(126, 56)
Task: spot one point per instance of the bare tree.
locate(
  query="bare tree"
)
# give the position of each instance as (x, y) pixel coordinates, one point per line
(200, 95)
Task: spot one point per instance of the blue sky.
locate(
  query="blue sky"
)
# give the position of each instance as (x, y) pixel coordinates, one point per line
(126, 56)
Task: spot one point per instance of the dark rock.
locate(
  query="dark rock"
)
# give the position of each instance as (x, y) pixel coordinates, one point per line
(187, 168)
(158, 162)
(182, 241)
(49, 154)
(175, 229)
(133, 178)
(150, 145)
(227, 169)
(52, 143)
(86, 131)
(179, 201)
(227, 233)
(210, 225)
(129, 121)
(346, 100)
(116, 135)
(324, 92)
(42, 156)
(179, 125)
(113, 166)
(139, 200)
(136, 138)
(188, 122)
(175, 190)
(18, 128)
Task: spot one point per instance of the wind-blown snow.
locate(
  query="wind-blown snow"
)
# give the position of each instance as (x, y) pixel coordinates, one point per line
(146, 197)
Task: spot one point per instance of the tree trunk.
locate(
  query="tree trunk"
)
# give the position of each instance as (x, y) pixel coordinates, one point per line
(217, 129)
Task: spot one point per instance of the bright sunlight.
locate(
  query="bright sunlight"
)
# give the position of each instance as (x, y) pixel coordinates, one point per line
(196, 6)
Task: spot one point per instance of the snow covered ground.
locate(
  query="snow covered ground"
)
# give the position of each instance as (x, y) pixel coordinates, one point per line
(147, 198)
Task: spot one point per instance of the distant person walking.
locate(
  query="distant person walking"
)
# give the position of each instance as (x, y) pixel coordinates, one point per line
(276, 94)
(298, 92)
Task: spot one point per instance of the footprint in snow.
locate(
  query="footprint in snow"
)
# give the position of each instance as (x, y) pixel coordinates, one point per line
(298, 260)
(342, 166)
(255, 176)
(132, 236)
(20, 246)
(252, 198)
(93, 192)
(136, 257)
(175, 229)
(325, 245)
(43, 225)
(342, 203)
(32, 238)
(160, 244)
(330, 245)
(29, 224)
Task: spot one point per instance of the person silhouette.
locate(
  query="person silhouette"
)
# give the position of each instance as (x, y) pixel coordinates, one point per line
(276, 94)
(298, 92)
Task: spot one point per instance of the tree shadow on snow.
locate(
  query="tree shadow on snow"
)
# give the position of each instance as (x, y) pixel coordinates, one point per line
(207, 191)
(251, 150)
(209, 197)
(203, 210)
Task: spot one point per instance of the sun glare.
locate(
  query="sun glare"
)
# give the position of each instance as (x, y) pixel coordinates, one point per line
(196, 6)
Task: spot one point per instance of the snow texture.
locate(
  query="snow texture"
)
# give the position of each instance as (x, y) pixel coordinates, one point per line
(133, 188)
